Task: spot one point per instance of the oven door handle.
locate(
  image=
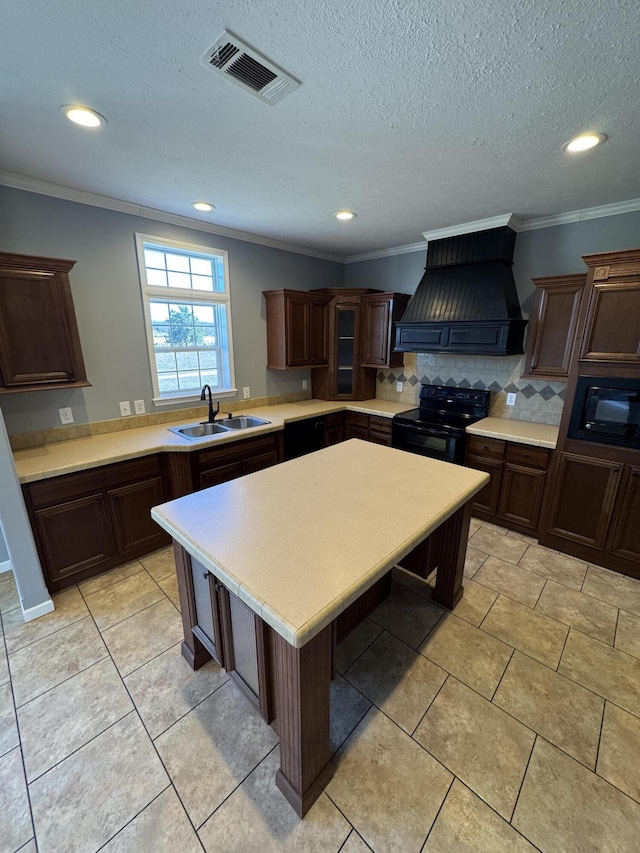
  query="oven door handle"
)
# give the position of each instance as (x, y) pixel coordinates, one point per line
(427, 431)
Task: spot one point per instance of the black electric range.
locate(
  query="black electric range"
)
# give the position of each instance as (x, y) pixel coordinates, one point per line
(437, 427)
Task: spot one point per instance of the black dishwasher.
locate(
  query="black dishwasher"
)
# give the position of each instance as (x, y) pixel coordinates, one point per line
(302, 437)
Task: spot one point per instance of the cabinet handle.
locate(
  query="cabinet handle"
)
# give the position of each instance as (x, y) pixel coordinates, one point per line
(205, 575)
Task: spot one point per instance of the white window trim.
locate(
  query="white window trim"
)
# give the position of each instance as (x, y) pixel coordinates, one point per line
(148, 292)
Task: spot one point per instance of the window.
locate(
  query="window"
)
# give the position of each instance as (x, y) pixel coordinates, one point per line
(185, 292)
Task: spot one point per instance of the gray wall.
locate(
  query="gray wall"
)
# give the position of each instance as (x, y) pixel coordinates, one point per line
(4, 554)
(108, 303)
(546, 251)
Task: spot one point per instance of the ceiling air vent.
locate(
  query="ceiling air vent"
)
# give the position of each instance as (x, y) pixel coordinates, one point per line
(241, 64)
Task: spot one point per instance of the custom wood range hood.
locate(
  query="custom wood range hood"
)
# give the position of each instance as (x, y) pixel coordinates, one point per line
(466, 302)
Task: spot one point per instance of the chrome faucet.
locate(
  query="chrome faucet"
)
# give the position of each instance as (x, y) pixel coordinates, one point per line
(203, 396)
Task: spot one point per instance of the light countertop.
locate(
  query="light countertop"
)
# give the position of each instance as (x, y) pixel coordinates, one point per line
(65, 457)
(300, 541)
(521, 432)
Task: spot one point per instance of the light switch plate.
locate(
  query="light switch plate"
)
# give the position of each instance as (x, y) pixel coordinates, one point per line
(511, 399)
(125, 409)
(305, 384)
(66, 415)
(399, 386)
(139, 407)
(246, 392)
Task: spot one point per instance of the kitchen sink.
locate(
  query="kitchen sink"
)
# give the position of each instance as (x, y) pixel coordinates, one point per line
(193, 431)
(242, 422)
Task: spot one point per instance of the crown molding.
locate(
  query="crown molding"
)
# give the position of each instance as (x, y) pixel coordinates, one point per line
(509, 219)
(614, 209)
(21, 182)
(385, 253)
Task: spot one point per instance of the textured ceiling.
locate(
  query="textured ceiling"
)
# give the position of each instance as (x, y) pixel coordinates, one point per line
(417, 115)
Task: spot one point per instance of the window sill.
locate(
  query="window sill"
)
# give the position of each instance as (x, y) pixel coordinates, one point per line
(192, 398)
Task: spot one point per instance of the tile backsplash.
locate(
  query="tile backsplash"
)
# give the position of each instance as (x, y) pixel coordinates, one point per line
(536, 400)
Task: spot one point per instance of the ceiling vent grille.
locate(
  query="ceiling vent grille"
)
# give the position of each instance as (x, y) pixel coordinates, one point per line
(240, 64)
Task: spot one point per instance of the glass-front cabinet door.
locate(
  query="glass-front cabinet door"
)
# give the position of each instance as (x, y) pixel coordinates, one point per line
(346, 361)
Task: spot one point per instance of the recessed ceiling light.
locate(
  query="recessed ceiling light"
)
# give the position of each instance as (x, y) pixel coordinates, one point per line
(83, 116)
(203, 205)
(583, 142)
(344, 215)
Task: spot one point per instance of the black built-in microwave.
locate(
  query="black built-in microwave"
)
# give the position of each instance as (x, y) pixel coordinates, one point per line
(607, 411)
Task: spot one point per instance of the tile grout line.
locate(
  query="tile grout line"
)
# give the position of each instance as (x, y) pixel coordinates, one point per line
(504, 672)
(19, 746)
(444, 800)
(364, 650)
(109, 840)
(139, 716)
(524, 776)
(353, 829)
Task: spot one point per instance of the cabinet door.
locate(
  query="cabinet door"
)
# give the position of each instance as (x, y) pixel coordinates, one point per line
(334, 428)
(583, 498)
(75, 536)
(346, 354)
(220, 474)
(376, 325)
(297, 331)
(625, 539)
(39, 342)
(257, 463)
(486, 500)
(521, 495)
(318, 331)
(380, 430)
(134, 529)
(554, 326)
(612, 330)
(207, 622)
(357, 426)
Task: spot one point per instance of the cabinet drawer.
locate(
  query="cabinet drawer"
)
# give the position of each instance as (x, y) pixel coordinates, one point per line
(237, 450)
(524, 454)
(487, 446)
(380, 425)
(358, 419)
(57, 489)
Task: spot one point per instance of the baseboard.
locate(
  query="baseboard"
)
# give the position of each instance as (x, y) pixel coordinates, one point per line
(42, 609)
(5, 566)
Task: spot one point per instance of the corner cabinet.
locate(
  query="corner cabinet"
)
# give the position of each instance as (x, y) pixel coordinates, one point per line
(554, 325)
(39, 340)
(361, 331)
(297, 329)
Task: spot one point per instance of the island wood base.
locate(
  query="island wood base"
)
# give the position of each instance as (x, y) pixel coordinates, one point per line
(301, 677)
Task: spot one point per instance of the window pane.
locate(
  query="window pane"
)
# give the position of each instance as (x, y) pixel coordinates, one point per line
(209, 378)
(179, 263)
(159, 312)
(161, 335)
(154, 259)
(187, 360)
(180, 279)
(203, 313)
(219, 284)
(206, 336)
(156, 278)
(168, 382)
(189, 380)
(201, 282)
(166, 362)
(208, 359)
(201, 266)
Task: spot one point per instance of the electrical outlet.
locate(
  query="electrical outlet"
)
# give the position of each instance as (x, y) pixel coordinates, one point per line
(66, 415)
(511, 399)
(125, 409)
(139, 407)
(305, 384)
(399, 386)
(246, 392)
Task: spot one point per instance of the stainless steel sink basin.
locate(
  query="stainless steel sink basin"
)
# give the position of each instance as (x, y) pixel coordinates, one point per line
(242, 422)
(192, 431)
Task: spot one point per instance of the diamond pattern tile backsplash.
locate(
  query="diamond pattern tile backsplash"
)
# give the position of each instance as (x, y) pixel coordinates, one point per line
(536, 400)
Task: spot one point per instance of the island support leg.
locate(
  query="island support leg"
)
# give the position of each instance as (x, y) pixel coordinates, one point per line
(192, 649)
(303, 679)
(452, 541)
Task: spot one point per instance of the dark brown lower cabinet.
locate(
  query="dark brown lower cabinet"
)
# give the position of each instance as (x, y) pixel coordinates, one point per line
(513, 496)
(94, 520)
(334, 428)
(368, 428)
(583, 499)
(219, 464)
(357, 426)
(625, 535)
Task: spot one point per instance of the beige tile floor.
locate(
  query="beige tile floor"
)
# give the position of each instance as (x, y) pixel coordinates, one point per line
(512, 724)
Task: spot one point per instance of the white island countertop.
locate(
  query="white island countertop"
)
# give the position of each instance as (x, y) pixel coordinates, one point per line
(300, 541)
(79, 454)
(521, 432)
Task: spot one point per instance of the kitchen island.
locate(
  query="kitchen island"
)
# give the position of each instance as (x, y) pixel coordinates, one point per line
(285, 553)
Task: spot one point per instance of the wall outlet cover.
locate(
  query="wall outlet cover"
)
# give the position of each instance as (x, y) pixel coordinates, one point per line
(139, 407)
(125, 409)
(399, 386)
(305, 384)
(246, 392)
(511, 399)
(66, 415)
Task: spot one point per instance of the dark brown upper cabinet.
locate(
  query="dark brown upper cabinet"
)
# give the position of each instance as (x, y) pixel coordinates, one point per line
(39, 341)
(297, 329)
(612, 326)
(553, 326)
(380, 313)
